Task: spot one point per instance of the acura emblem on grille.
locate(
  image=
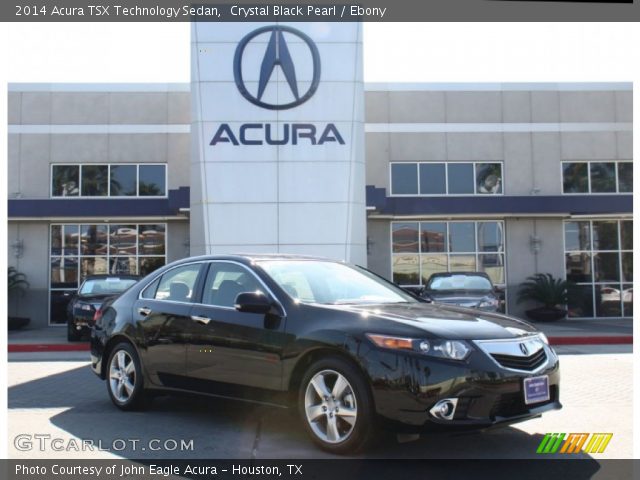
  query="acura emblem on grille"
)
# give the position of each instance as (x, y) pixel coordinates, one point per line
(524, 349)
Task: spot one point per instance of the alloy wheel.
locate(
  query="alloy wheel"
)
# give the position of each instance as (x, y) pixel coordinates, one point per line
(330, 406)
(122, 376)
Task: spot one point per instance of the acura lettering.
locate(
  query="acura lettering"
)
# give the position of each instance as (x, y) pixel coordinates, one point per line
(282, 134)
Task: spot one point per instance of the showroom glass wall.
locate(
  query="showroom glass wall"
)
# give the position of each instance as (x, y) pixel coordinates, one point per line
(599, 264)
(79, 250)
(420, 249)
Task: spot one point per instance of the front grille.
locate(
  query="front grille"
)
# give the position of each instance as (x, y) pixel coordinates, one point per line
(521, 363)
(512, 404)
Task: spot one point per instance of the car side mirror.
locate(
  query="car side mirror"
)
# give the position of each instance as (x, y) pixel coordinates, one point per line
(252, 302)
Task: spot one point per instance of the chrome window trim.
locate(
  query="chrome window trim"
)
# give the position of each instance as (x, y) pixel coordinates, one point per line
(273, 296)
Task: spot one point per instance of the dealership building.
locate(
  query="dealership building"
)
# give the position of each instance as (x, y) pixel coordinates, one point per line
(279, 144)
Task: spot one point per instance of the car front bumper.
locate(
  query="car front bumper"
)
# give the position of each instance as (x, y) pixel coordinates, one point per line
(405, 386)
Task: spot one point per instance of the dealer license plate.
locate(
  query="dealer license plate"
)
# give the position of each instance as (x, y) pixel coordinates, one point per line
(536, 389)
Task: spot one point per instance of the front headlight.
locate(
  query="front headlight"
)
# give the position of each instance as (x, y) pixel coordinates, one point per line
(488, 302)
(544, 338)
(449, 349)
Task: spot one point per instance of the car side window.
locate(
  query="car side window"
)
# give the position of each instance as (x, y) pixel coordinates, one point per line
(178, 284)
(225, 281)
(150, 291)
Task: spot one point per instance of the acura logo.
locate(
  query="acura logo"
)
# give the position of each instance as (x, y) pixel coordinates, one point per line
(524, 349)
(276, 54)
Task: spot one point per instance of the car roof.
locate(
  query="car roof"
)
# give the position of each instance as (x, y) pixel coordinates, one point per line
(113, 275)
(451, 274)
(253, 257)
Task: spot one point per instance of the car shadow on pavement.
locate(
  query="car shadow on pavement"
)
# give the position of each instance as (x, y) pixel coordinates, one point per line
(189, 427)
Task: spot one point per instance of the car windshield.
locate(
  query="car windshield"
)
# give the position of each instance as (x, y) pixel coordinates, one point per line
(333, 283)
(460, 282)
(106, 286)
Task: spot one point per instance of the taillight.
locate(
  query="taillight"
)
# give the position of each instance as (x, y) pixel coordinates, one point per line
(97, 316)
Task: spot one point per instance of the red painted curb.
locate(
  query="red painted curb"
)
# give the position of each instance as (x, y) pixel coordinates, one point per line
(48, 347)
(601, 340)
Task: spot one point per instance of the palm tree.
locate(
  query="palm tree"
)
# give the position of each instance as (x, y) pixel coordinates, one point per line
(17, 281)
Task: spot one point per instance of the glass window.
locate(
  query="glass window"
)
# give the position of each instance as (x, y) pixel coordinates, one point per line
(94, 239)
(581, 301)
(462, 263)
(461, 179)
(605, 235)
(462, 237)
(404, 179)
(64, 272)
(225, 281)
(488, 178)
(433, 263)
(406, 269)
(603, 177)
(58, 302)
(152, 181)
(405, 237)
(93, 266)
(78, 251)
(433, 179)
(608, 300)
(606, 267)
(626, 233)
(146, 265)
(627, 299)
(151, 239)
(433, 236)
(178, 283)
(65, 180)
(625, 177)
(490, 237)
(578, 267)
(492, 265)
(123, 239)
(95, 180)
(575, 177)
(124, 180)
(150, 291)
(627, 266)
(577, 235)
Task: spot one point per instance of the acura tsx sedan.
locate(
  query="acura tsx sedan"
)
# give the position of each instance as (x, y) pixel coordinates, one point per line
(351, 351)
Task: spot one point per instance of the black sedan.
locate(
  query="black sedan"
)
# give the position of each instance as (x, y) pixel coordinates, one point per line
(84, 306)
(350, 350)
(466, 289)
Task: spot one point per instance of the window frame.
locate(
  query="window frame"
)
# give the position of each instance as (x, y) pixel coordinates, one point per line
(108, 195)
(80, 256)
(589, 189)
(448, 253)
(446, 164)
(591, 251)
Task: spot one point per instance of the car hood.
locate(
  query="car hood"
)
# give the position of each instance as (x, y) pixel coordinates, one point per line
(445, 321)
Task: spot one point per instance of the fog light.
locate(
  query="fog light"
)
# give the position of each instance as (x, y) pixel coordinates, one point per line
(445, 409)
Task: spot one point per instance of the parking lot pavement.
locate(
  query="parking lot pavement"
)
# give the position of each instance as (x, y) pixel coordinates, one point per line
(63, 400)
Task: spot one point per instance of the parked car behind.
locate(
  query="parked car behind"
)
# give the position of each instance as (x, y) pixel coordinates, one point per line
(86, 303)
(466, 289)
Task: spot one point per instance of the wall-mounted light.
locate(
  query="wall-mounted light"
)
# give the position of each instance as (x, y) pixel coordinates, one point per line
(535, 243)
(18, 248)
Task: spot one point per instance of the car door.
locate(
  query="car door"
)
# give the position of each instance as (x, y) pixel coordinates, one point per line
(163, 314)
(229, 350)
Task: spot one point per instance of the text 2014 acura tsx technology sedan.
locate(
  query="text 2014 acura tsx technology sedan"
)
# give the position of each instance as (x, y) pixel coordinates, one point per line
(350, 349)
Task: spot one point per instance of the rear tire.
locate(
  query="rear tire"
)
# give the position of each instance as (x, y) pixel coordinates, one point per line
(336, 406)
(125, 382)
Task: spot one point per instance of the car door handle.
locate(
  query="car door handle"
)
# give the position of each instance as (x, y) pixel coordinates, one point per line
(144, 311)
(199, 319)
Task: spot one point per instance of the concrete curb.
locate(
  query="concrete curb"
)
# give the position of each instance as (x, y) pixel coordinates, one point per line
(48, 347)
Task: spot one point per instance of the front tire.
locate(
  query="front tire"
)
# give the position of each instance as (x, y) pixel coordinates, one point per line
(125, 383)
(336, 406)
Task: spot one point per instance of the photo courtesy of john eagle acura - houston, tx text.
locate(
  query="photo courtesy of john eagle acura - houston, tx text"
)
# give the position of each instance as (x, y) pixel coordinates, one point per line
(350, 350)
